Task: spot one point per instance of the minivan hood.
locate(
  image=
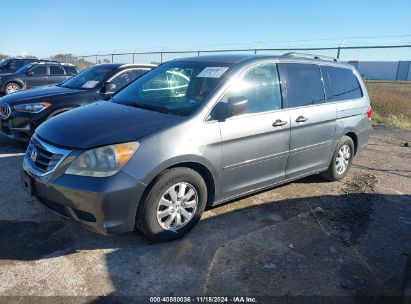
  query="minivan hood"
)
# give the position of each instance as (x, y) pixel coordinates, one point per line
(102, 123)
(27, 96)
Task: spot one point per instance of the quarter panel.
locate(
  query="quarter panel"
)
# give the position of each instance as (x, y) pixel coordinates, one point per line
(351, 117)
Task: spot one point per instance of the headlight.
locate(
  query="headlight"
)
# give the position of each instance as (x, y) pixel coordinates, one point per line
(32, 107)
(103, 161)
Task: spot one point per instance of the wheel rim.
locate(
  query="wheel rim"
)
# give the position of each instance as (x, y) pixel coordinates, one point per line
(343, 159)
(12, 88)
(177, 206)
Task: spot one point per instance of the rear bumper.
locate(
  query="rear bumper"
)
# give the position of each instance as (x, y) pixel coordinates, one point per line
(104, 205)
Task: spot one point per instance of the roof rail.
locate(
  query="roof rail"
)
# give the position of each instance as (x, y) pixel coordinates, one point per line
(312, 56)
(139, 64)
(46, 61)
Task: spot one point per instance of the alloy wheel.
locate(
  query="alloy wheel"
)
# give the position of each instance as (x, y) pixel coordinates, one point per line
(343, 159)
(177, 206)
(12, 88)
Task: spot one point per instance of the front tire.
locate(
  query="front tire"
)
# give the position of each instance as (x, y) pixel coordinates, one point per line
(173, 205)
(11, 88)
(341, 161)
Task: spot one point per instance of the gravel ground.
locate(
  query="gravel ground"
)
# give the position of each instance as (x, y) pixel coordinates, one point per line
(307, 238)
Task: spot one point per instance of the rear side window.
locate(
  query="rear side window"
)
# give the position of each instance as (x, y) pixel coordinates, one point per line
(344, 84)
(56, 70)
(302, 84)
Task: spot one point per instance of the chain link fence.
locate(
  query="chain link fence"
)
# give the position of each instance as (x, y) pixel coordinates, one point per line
(387, 62)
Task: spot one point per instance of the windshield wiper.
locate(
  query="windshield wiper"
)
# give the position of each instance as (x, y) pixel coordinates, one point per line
(73, 88)
(151, 107)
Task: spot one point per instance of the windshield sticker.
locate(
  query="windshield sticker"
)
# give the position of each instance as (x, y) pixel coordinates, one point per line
(90, 84)
(212, 72)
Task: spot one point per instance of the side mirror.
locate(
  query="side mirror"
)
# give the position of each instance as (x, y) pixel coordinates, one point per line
(29, 73)
(235, 105)
(108, 88)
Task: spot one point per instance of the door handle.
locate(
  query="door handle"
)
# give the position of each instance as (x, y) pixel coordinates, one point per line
(45, 78)
(279, 123)
(301, 119)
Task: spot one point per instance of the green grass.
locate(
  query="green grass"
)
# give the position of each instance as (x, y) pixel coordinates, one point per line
(391, 102)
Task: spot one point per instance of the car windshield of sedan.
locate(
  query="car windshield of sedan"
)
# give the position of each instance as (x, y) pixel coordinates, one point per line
(24, 69)
(4, 63)
(177, 87)
(89, 78)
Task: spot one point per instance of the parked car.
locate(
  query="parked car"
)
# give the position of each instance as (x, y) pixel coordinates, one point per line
(195, 132)
(11, 65)
(36, 74)
(22, 112)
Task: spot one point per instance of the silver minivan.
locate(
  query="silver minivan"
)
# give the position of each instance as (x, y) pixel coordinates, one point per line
(197, 132)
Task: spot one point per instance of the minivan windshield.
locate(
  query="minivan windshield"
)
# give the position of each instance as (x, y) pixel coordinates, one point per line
(177, 87)
(89, 78)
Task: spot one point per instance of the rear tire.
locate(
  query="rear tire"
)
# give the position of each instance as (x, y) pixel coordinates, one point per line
(173, 205)
(11, 88)
(341, 161)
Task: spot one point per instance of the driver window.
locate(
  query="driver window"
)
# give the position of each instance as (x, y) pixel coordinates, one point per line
(172, 84)
(261, 86)
(124, 78)
(39, 70)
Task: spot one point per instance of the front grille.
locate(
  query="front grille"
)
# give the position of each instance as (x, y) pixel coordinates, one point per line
(41, 159)
(5, 110)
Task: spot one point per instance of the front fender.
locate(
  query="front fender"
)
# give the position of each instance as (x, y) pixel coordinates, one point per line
(18, 81)
(59, 111)
(183, 160)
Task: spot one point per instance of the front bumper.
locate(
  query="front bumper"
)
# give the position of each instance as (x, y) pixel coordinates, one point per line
(105, 205)
(20, 125)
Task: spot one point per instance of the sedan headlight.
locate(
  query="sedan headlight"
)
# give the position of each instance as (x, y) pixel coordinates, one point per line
(32, 107)
(103, 161)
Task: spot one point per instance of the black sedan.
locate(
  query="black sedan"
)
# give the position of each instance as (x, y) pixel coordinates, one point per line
(22, 112)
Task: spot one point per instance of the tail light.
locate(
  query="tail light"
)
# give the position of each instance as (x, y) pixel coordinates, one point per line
(369, 113)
